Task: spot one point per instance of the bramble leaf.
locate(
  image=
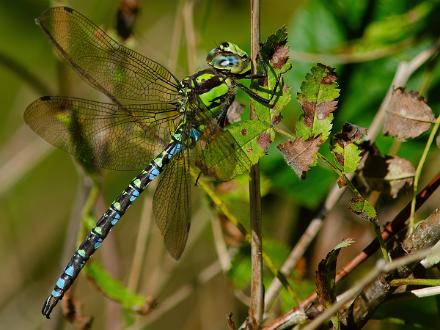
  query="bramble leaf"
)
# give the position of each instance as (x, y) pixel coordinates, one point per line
(300, 154)
(362, 207)
(346, 147)
(407, 116)
(317, 98)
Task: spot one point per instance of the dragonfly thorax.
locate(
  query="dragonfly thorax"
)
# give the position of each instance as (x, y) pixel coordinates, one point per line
(210, 90)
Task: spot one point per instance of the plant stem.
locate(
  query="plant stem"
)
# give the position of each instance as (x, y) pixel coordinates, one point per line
(415, 281)
(257, 294)
(419, 172)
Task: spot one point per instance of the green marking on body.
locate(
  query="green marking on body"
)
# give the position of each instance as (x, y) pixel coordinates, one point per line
(137, 182)
(117, 206)
(158, 160)
(214, 93)
(82, 253)
(98, 230)
(205, 76)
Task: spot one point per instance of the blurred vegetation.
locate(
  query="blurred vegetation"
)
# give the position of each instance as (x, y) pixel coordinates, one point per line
(364, 40)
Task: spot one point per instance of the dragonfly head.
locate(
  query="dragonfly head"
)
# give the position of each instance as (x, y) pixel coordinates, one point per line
(229, 58)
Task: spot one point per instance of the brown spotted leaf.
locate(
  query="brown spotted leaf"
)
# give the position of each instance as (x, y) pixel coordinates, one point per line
(346, 147)
(407, 115)
(318, 99)
(300, 154)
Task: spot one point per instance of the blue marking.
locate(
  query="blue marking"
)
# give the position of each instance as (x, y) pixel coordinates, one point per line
(194, 134)
(116, 218)
(60, 283)
(135, 193)
(55, 294)
(69, 271)
(98, 244)
(176, 149)
(153, 174)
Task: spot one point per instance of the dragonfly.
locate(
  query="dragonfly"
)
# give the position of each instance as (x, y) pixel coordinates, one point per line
(152, 121)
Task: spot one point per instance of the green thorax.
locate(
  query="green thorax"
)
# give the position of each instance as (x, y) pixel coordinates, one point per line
(210, 90)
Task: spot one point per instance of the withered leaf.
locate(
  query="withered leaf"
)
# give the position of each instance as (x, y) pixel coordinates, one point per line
(407, 115)
(387, 174)
(300, 154)
(326, 273)
(350, 134)
(280, 57)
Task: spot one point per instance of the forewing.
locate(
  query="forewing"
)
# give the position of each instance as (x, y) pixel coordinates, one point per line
(171, 205)
(103, 134)
(121, 73)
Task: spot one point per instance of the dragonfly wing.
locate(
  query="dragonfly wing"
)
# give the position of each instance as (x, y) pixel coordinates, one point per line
(103, 134)
(121, 73)
(218, 154)
(171, 204)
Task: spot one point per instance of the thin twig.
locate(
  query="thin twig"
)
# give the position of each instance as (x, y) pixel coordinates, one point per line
(256, 308)
(347, 58)
(176, 38)
(403, 73)
(22, 162)
(141, 244)
(381, 267)
(188, 21)
(32, 80)
(419, 172)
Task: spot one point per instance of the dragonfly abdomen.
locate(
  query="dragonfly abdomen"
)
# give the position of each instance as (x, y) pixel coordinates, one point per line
(108, 220)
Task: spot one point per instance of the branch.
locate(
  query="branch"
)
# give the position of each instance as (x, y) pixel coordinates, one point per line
(256, 308)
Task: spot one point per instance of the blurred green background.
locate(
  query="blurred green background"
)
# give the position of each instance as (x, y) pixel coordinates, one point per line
(365, 40)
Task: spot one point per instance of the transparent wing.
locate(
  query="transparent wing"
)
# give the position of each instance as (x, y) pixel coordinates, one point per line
(171, 204)
(120, 73)
(218, 154)
(103, 134)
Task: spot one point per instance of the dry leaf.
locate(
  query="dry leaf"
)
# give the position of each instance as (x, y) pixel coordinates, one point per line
(407, 115)
(387, 174)
(300, 154)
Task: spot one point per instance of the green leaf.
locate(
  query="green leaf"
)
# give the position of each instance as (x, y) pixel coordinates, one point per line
(346, 147)
(361, 206)
(317, 98)
(115, 290)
